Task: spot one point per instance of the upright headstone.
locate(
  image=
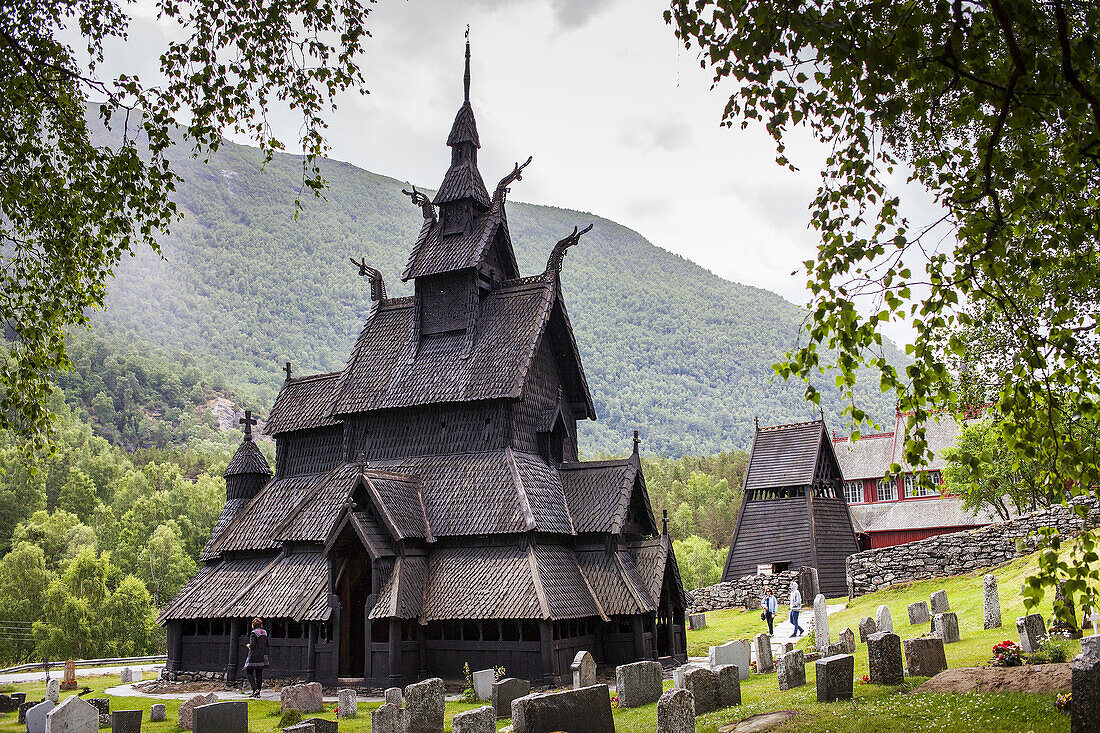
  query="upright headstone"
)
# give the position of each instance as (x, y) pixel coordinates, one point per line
(126, 676)
(126, 721)
(1090, 647)
(848, 638)
(697, 621)
(866, 628)
(230, 716)
(424, 706)
(583, 669)
(821, 623)
(1032, 632)
(918, 613)
(732, 652)
(69, 683)
(320, 725)
(305, 698)
(787, 646)
(102, 704)
(883, 620)
(808, 584)
(702, 683)
(791, 670)
(7, 704)
(394, 696)
(483, 683)
(837, 647)
(158, 713)
(35, 717)
(884, 658)
(946, 626)
(638, 683)
(835, 677)
(505, 691)
(1063, 617)
(478, 720)
(303, 727)
(764, 663)
(24, 707)
(347, 704)
(387, 718)
(53, 690)
(938, 602)
(72, 716)
(729, 685)
(924, 656)
(185, 716)
(679, 672)
(587, 709)
(676, 712)
(1085, 708)
(991, 602)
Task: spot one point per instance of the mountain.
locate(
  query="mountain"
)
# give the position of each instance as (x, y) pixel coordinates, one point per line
(245, 285)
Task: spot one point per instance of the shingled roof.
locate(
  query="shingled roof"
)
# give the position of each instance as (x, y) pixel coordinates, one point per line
(303, 403)
(616, 583)
(463, 181)
(868, 457)
(402, 593)
(599, 493)
(433, 254)
(785, 455)
(247, 460)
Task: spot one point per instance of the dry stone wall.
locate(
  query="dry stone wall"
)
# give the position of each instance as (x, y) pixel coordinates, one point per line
(961, 552)
(745, 592)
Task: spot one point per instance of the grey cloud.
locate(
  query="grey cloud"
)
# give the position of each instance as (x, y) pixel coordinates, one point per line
(665, 135)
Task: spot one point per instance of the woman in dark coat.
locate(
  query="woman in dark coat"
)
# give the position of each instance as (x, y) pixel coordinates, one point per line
(257, 656)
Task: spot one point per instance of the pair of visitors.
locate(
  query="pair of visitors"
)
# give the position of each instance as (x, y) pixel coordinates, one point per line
(256, 660)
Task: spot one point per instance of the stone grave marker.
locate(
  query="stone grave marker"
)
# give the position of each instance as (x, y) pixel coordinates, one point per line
(729, 685)
(924, 657)
(764, 663)
(676, 712)
(1085, 709)
(158, 712)
(478, 720)
(230, 716)
(7, 704)
(837, 647)
(505, 691)
(424, 706)
(102, 704)
(938, 602)
(679, 672)
(808, 581)
(104, 721)
(53, 690)
(848, 637)
(347, 704)
(126, 676)
(866, 628)
(835, 677)
(584, 670)
(304, 727)
(821, 623)
(587, 709)
(918, 613)
(638, 683)
(24, 707)
(387, 718)
(35, 717)
(126, 721)
(305, 698)
(185, 716)
(702, 683)
(1032, 631)
(483, 683)
(884, 658)
(320, 725)
(946, 626)
(69, 683)
(991, 602)
(733, 652)
(883, 620)
(1090, 647)
(395, 696)
(791, 670)
(697, 621)
(787, 646)
(74, 715)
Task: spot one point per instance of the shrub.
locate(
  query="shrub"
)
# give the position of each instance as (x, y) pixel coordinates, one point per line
(290, 717)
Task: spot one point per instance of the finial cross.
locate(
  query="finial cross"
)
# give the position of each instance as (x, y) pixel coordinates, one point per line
(637, 441)
(288, 371)
(248, 421)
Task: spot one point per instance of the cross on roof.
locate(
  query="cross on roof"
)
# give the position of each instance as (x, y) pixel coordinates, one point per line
(637, 441)
(248, 421)
(288, 371)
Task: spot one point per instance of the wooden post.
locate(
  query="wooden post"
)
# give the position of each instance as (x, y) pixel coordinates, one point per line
(670, 631)
(422, 641)
(234, 650)
(175, 646)
(639, 637)
(334, 603)
(654, 653)
(395, 652)
(546, 637)
(311, 652)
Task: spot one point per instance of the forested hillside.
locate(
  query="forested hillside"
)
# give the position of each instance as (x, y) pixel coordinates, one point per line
(245, 286)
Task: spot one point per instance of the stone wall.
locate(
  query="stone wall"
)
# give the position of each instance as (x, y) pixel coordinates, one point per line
(743, 593)
(961, 552)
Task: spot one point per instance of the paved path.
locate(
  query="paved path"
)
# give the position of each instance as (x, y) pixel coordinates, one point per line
(40, 675)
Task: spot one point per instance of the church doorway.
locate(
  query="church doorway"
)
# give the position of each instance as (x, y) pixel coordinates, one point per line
(354, 588)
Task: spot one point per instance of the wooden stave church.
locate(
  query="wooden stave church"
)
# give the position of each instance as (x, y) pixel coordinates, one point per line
(793, 512)
(435, 479)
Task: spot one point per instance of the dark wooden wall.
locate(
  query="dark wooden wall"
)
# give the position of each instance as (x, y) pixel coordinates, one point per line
(541, 394)
(309, 451)
(769, 531)
(835, 542)
(421, 431)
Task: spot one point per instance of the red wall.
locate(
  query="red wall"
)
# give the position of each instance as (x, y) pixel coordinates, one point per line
(893, 537)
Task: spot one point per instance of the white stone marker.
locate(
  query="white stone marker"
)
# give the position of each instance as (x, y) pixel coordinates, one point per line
(991, 602)
(821, 624)
(883, 621)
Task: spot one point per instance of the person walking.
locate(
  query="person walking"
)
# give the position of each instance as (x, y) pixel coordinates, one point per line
(257, 656)
(770, 606)
(796, 608)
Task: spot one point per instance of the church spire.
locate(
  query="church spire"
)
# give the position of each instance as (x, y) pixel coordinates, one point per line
(466, 76)
(462, 196)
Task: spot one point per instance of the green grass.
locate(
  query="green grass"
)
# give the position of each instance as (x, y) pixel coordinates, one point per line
(875, 709)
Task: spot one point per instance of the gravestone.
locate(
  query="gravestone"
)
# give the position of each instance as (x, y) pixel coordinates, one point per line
(638, 683)
(158, 713)
(102, 704)
(18, 697)
(24, 707)
(938, 602)
(230, 716)
(126, 721)
(53, 690)
(866, 628)
(305, 698)
(837, 647)
(394, 696)
(126, 676)
(821, 623)
(697, 621)
(320, 725)
(587, 709)
(387, 718)
(883, 620)
(884, 658)
(808, 584)
(584, 670)
(924, 657)
(729, 685)
(848, 637)
(185, 715)
(104, 721)
(676, 712)
(791, 670)
(835, 677)
(72, 716)
(7, 704)
(347, 704)
(1090, 647)
(787, 646)
(1063, 607)
(1085, 708)
(733, 652)
(918, 613)
(1032, 632)
(679, 672)
(424, 706)
(505, 691)
(946, 626)
(478, 720)
(764, 663)
(991, 602)
(69, 683)
(35, 717)
(702, 683)
(304, 727)
(483, 683)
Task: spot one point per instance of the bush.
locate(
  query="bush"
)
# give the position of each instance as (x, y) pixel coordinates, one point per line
(1054, 648)
(1007, 654)
(290, 717)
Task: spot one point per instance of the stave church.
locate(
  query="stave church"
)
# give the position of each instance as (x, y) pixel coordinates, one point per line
(427, 508)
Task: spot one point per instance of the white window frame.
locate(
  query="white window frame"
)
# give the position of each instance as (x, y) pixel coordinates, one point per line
(853, 492)
(887, 489)
(914, 488)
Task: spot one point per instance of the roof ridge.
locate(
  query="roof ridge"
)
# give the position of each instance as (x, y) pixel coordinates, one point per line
(312, 377)
(603, 463)
(792, 425)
